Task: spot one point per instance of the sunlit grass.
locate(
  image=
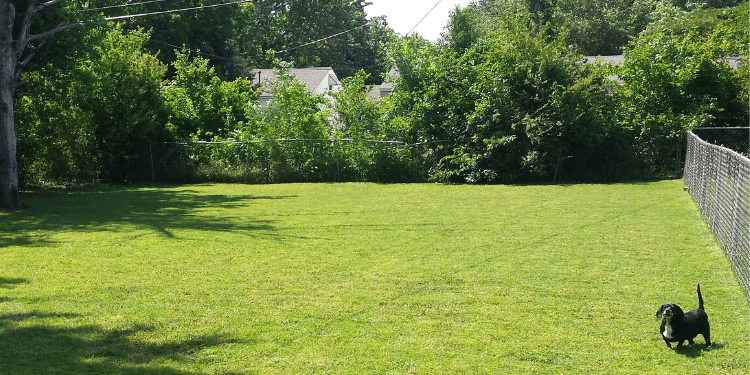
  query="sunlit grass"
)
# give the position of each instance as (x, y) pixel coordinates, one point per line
(362, 278)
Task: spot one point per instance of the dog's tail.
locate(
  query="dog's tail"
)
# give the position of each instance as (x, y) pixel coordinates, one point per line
(700, 298)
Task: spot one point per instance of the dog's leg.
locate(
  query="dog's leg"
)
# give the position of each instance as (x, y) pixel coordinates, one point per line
(690, 341)
(679, 343)
(707, 337)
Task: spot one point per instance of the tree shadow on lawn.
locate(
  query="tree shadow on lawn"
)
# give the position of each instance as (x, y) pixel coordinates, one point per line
(34, 344)
(8, 283)
(102, 209)
(44, 343)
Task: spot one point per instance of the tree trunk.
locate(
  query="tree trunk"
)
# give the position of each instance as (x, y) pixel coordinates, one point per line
(10, 197)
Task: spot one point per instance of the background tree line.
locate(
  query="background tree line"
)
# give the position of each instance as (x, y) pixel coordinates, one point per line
(503, 97)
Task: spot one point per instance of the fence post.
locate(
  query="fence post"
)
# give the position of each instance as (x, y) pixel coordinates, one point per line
(336, 160)
(151, 154)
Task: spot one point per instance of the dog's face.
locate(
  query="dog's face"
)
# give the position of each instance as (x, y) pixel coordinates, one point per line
(668, 311)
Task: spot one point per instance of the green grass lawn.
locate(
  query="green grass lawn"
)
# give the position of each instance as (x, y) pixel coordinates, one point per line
(362, 279)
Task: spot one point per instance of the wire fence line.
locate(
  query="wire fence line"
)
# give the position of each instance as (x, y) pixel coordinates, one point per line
(286, 160)
(718, 179)
(733, 138)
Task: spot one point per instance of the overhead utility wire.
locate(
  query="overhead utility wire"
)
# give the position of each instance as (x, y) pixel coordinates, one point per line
(118, 18)
(425, 16)
(218, 5)
(149, 39)
(326, 38)
(122, 5)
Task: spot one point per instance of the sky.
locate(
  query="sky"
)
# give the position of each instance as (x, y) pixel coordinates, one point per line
(402, 15)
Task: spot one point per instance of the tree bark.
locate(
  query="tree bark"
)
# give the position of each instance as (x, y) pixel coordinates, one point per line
(10, 196)
(13, 58)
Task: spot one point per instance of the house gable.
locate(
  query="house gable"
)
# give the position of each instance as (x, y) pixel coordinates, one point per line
(319, 81)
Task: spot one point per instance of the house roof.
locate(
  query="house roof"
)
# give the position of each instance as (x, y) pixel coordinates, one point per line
(613, 59)
(311, 77)
(733, 61)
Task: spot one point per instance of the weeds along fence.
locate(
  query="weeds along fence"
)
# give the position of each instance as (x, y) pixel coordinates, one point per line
(718, 179)
(289, 160)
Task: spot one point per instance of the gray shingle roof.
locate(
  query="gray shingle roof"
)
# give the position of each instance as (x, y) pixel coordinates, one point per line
(311, 77)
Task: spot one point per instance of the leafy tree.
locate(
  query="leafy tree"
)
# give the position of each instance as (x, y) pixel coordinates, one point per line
(56, 142)
(236, 38)
(203, 106)
(287, 25)
(464, 27)
(121, 90)
(709, 3)
(517, 104)
(358, 112)
(599, 27)
(358, 116)
(294, 113)
(18, 44)
(537, 106)
(676, 79)
(212, 31)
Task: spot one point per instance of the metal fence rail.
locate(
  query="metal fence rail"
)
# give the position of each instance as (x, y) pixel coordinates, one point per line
(733, 138)
(286, 160)
(719, 181)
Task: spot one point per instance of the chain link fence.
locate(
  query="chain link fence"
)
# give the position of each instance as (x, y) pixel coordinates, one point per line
(718, 179)
(289, 160)
(736, 139)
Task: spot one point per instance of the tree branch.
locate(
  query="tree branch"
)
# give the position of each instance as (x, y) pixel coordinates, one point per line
(56, 30)
(45, 5)
(44, 36)
(25, 37)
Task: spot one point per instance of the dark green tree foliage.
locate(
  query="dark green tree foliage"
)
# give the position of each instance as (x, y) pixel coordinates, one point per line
(56, 143)
(603, 27)
(707, 3)
(237, 38)
(517, 105)
(676, 78)
(202, 106)
(358, 112)
(95, 119)
(212, 31)
(537, 107)
(463, 29)
(293, 113)
(122, 93)
(286, 25)
(51, 147)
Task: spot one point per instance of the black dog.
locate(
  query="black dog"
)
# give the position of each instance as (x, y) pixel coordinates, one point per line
(678, 326)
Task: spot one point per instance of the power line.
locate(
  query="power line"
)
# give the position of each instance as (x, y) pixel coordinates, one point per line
(425, 16)
(119, 18)
(149, 39)
(122, 5)
(326, 38)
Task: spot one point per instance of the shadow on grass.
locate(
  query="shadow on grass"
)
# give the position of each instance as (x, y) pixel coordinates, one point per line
(103, 209)
(9, 282)
(42, 343)
(697, 350)
(51, 343)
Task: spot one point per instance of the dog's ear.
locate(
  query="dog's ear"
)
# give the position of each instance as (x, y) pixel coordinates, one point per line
(660, 312)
